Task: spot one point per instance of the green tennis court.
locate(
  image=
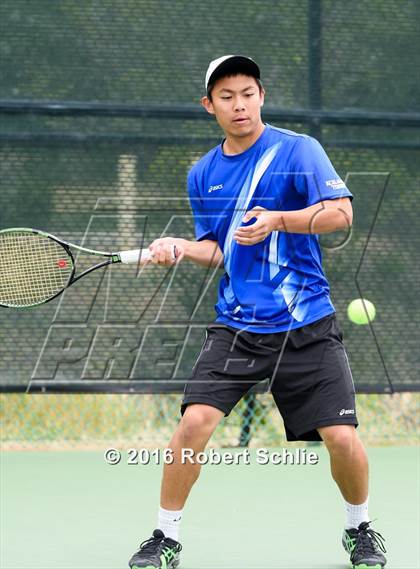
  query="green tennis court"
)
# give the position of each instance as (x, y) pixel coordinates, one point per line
(70, 510)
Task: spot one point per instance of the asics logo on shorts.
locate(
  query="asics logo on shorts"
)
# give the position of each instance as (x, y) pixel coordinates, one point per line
(346, 412)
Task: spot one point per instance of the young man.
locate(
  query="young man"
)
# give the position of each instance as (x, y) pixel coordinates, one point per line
(259, 200)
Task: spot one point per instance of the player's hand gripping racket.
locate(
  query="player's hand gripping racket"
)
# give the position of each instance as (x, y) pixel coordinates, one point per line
(36, 267)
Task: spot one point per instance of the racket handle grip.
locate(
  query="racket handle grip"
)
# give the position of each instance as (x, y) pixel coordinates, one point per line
(135, 255)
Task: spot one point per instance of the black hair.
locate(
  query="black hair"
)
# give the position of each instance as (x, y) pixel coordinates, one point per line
(211, 85)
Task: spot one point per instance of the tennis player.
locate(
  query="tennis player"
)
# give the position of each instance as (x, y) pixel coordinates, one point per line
(260, 199)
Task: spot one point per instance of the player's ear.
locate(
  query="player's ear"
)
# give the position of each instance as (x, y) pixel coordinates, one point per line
(262, 95)
(207, 104)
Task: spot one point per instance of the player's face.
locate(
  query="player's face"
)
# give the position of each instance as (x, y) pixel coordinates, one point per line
(236, 103)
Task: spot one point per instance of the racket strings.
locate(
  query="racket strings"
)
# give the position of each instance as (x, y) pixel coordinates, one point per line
(33, 268)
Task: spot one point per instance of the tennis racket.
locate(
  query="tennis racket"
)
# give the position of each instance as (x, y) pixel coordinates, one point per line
(36, 267)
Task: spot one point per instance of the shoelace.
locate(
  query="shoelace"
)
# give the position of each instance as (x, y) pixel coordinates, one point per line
(152, 544)
(368, 541)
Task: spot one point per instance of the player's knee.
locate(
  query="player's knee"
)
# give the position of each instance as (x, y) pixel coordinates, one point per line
(198, 422)
(339, 438)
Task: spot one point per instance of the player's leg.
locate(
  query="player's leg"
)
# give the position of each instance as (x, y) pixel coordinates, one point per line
(216, 386)
(193, 433)
(315, 394)
(349, 463)
(350, 470)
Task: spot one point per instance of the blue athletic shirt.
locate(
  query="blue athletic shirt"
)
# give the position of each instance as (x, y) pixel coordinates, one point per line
(277, 284)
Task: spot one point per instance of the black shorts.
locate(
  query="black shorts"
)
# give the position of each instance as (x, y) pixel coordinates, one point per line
(306, 369)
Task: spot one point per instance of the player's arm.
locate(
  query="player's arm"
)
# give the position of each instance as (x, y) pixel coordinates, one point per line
(324, 217)
(206, 252)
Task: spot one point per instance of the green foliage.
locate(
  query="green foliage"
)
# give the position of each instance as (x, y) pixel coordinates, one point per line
(86, 421)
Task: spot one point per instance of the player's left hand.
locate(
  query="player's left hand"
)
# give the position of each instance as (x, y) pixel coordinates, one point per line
(258, 231)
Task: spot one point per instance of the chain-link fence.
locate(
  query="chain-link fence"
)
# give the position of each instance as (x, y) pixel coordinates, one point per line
(95, 422)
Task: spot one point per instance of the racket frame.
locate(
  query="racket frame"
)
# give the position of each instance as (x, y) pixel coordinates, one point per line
(111, 259)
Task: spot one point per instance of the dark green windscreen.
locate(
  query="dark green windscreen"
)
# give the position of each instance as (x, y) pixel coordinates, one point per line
(344, 72)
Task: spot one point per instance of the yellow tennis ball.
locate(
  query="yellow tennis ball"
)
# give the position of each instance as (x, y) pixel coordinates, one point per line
(361, 311)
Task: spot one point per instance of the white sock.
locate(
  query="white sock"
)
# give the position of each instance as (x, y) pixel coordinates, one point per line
(356, 514)
(169, 522)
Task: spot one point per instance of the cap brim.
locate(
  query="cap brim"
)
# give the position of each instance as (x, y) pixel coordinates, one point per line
(233, 65)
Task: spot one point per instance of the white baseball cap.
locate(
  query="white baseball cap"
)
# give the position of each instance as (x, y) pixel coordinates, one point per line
(231, 64)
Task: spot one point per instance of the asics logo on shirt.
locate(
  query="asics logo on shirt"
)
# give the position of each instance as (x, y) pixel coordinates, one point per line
(214, 188)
